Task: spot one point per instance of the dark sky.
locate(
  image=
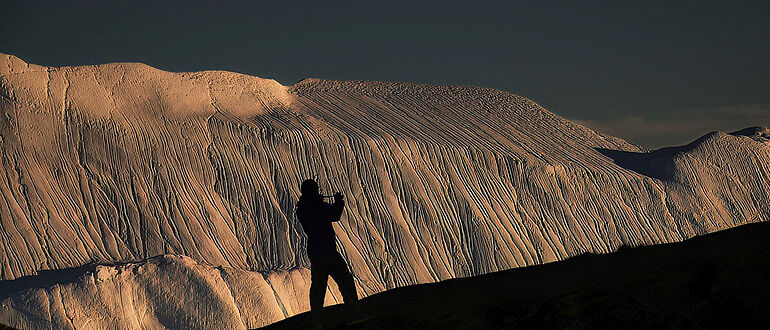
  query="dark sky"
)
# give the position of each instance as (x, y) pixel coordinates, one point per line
(653, 72)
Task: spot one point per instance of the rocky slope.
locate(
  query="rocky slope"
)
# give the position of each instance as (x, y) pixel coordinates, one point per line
(124, 162)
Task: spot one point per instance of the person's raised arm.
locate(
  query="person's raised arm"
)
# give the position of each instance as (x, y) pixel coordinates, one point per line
(335, 209)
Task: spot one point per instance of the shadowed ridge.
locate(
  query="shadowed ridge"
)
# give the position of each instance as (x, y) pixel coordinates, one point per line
(48, 278)
(647, 164)
(43, 279)
(757, 133)
(660, 164)
(166, 291)
(714, 281)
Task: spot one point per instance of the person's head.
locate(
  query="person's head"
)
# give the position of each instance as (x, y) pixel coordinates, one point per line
(309, 187)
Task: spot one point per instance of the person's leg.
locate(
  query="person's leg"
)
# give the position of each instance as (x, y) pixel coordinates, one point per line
(319, 276)
(338, 270)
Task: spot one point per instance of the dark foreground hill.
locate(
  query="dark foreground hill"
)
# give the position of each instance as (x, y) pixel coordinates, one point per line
(721, 280)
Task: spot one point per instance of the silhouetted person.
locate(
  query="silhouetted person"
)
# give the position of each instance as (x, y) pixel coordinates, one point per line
(316, 217)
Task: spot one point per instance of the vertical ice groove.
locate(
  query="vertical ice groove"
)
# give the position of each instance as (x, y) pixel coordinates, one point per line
(277, 297)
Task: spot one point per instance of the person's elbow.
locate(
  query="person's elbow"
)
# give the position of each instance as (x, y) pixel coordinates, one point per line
(337, 215)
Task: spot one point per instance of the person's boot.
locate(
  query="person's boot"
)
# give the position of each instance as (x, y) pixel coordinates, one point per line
(316, 320)
(356, 310)
(356, 313)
